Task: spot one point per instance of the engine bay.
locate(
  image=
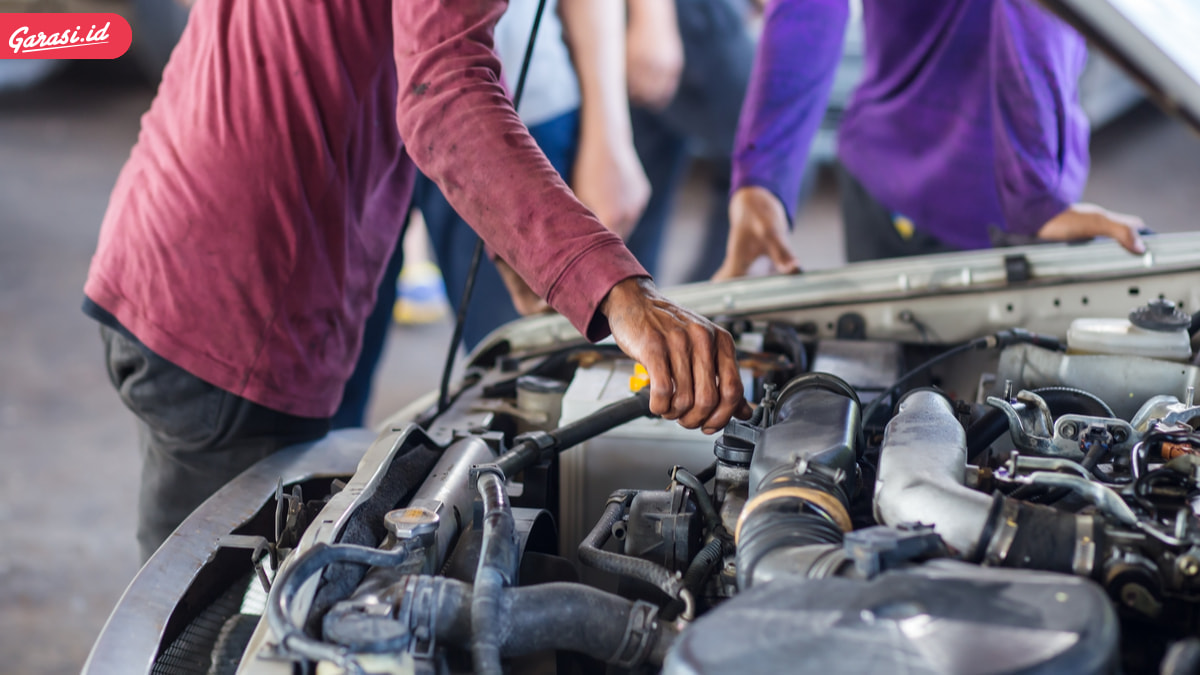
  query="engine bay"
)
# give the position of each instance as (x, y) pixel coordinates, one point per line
(1012, 503)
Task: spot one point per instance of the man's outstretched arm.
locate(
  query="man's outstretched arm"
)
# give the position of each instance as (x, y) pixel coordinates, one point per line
(460, 129)
(794, 67)
(1040, 133)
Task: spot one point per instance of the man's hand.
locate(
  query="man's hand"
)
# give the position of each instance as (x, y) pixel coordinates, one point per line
(1084, 221)
(523, 298)
(609, 180)
(692, 363)
(757, 227)
(653, 53)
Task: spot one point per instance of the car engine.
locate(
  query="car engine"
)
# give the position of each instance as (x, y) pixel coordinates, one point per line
(1013, 503)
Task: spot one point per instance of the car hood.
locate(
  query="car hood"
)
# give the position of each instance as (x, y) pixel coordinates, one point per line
(1154, 40)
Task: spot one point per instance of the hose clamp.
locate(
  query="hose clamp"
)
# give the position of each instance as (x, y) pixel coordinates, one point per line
(639, 637)
(1084, 561)
(1006, 532)
(480, 470)
(826, 503)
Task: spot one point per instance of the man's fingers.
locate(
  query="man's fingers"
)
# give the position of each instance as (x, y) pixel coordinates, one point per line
(730, 386)
(658, 367)
(681, 370)
(704, 375)
(781, 254)
(1084, 221)
(1125, 233)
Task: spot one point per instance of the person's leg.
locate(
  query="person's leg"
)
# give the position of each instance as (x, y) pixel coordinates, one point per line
(454, 241)
(663, 154)
(716, 225)
(194, 437)
(702, 117)
(872, 231)
(352, 411)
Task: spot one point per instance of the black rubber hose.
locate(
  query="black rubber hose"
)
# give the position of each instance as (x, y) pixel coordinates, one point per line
(533, 450)
(592, 553)
(559, 616)
(497, 569)
(1045, 538)
(700, 494)
(607, 418)
(703, 564)
(1061, 401)
(292, 638)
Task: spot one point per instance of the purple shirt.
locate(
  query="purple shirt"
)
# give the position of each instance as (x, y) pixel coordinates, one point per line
(967, 115)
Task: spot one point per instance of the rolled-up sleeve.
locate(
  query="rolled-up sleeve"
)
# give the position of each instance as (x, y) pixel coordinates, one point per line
(793, 73)
(460, 129)
(1039, 130)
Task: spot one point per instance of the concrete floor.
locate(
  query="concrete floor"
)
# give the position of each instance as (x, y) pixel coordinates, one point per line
(69, 471)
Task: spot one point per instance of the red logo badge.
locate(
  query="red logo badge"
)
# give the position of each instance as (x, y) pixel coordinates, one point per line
(77, 35)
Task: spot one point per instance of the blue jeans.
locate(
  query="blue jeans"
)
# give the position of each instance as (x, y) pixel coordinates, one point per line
(352, 411)
(454, 241)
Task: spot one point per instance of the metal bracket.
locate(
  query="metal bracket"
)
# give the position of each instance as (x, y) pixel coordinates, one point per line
(259, 549)
(1071, 431)
(1034, 430)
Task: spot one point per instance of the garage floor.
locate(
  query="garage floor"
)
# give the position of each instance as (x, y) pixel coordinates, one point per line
(69, 471)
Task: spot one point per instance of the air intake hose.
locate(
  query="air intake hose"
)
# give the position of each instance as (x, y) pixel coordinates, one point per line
(802, 474)
(922, 468)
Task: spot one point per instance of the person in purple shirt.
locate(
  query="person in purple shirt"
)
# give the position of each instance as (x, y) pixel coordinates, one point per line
(965, 132)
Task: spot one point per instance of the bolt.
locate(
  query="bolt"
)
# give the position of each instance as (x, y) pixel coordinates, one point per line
(1008, 390)
(1188, 565)
(1068, 430)
(1129, 595)
(1118, 434)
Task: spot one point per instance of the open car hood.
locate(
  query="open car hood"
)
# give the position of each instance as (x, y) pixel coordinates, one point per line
(1154, 40)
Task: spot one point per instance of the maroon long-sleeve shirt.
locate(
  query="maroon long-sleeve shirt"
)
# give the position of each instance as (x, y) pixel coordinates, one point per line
(248, 231)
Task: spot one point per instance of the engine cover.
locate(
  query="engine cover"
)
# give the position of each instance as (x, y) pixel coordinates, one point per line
(942, 617)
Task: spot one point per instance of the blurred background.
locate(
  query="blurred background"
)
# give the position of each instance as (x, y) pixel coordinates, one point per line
(69, 472)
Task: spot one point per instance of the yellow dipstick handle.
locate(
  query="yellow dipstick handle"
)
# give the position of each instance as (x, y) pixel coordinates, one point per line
(640, 378)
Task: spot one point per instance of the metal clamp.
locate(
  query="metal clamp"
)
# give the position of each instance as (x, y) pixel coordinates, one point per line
(540, 439)
(637, 641)
(1006, 532)
(480, 470)
(1084, 561)
(420, 615)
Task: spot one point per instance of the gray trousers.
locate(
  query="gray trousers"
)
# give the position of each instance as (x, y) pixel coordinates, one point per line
(869, 228)
(194, 436)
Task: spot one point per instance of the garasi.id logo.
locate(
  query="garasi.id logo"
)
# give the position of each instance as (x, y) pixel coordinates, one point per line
(75, 35)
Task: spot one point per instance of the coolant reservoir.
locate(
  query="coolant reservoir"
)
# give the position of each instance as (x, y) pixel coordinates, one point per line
(1157, 330)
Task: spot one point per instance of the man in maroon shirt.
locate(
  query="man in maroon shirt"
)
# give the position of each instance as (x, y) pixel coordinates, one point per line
(247, 232)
